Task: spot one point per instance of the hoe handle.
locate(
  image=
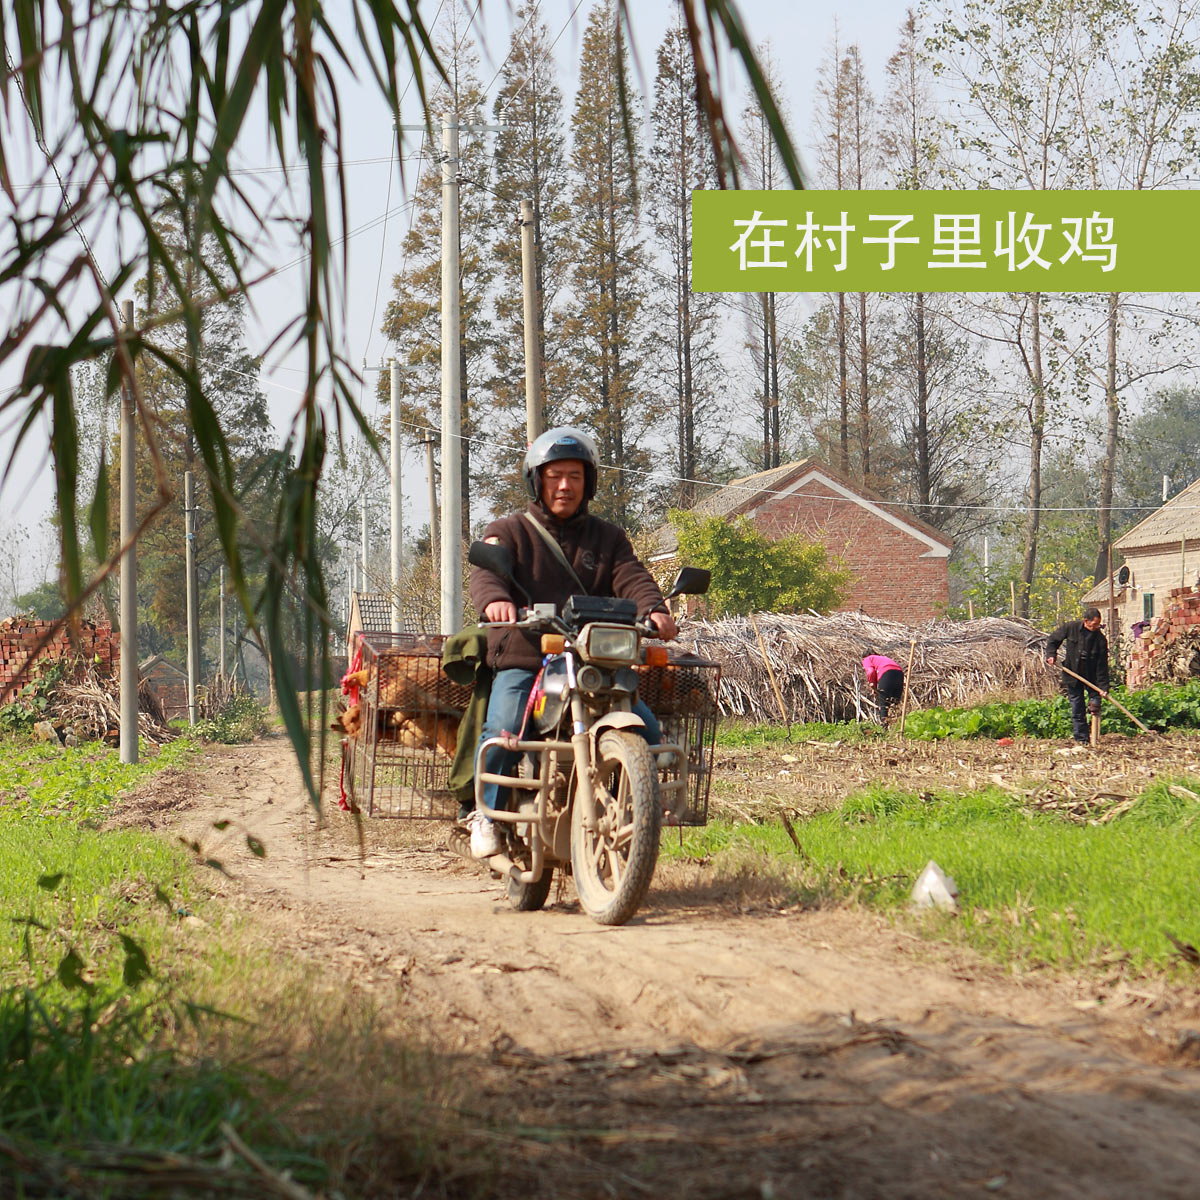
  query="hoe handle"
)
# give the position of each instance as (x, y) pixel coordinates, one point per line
(1100, 691)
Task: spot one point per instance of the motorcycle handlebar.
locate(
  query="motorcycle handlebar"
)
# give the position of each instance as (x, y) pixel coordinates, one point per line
(538, 621)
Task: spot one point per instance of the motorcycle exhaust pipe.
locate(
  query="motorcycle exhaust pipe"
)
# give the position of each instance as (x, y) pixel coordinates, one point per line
(506, 868)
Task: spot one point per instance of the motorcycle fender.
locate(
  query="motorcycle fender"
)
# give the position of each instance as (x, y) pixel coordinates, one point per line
(614, 720)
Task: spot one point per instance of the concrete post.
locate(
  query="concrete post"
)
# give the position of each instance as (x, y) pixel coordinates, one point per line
(128, 607)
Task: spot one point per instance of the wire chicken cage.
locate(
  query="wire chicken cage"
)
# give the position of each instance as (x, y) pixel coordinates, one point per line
(398, 763)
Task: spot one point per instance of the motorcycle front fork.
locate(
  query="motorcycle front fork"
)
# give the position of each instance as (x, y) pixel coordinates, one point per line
(581, 743)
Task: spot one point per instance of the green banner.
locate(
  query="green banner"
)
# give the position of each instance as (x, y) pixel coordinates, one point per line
(876, 241)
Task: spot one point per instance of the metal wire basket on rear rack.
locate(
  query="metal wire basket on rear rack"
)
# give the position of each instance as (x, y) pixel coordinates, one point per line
(397, 762)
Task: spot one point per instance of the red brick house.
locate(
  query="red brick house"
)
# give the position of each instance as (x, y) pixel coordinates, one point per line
(899, 565)
(169, 684)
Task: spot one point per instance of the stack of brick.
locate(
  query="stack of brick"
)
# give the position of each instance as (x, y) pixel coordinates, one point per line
(1170, 647)
(97, 646)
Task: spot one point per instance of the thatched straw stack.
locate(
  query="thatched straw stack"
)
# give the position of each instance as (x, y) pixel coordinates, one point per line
(817, 662)
(89, 709)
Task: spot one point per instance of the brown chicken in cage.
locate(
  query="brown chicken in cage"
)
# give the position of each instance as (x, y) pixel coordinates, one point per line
(408, 712)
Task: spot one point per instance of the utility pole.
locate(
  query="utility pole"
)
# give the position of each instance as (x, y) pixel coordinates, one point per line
(533, 364)
(434, 532)
(193, 624)
(221, 652)
(128, 613)
(362, 581)
(397, 498)
(451, 592)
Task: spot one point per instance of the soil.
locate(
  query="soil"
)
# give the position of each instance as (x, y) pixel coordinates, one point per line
(718, 1046)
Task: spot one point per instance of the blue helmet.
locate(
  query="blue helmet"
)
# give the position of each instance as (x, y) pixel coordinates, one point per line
(564, 441)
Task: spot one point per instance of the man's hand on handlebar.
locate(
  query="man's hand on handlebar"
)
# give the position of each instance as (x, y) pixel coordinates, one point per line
(501, 610)
(664, 625)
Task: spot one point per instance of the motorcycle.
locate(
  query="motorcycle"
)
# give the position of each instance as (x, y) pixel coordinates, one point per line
(586, 800)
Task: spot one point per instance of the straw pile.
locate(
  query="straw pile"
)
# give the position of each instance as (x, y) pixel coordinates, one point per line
(89, 709)
(817, 662)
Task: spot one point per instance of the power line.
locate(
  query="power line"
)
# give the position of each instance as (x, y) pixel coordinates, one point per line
(62, 187)
(281, 169)
(518, 449)
(511, 47)
(566, 25)
(382, 250)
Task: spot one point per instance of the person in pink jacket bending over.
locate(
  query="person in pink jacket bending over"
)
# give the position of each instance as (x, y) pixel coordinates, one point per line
(886, 679)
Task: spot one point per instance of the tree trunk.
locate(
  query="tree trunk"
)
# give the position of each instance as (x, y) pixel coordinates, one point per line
(923, 472)
(773, 341)
(864, 399)
(687, 457)
(1111, 440)
(1037, 430)
(766, 382)
(843, 390)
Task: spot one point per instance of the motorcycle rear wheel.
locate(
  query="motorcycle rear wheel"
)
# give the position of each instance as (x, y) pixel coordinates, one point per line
(613, 866)
(529, 897)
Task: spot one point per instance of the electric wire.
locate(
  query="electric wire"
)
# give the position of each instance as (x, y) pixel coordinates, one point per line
(62, 187)
(566, 25)
(662, 477)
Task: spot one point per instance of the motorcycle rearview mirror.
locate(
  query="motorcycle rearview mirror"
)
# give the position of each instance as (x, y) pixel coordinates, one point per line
(691, 581)
(491, 556)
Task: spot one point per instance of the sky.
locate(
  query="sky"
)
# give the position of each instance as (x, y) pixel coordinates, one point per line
(799, 37)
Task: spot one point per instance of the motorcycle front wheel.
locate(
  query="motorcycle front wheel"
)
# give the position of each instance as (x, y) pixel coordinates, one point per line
(614, 864)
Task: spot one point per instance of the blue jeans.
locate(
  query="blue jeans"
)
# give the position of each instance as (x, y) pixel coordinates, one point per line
(506, 708)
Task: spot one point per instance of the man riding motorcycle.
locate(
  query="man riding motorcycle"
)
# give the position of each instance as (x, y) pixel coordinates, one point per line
(559, 549)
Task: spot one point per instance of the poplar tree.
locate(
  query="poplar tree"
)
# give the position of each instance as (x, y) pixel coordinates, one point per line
(530, 164)
(764, 312)
(1019, 120)
(682, 162)
(1141, 124)
(214, 351)
(911, 146)
(606, 323)
(832, 121)
(863, 162)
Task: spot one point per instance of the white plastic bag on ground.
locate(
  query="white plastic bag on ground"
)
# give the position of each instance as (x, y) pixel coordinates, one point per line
(934, 889)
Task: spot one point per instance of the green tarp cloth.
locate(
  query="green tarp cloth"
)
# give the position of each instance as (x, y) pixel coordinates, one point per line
(464, 660)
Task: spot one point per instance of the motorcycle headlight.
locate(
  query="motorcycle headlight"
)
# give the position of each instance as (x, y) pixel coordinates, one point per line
(609, 643)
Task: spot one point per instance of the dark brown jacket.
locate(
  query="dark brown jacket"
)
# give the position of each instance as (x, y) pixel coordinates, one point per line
(600, 553)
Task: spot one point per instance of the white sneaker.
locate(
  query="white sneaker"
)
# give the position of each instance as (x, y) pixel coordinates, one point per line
(485, 837)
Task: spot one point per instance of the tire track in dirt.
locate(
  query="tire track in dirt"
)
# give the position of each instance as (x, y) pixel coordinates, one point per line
(702, 1053)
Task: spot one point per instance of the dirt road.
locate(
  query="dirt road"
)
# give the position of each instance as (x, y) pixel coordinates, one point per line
(703, 1051)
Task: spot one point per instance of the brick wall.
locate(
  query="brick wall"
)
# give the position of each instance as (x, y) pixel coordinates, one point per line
(19, 637)
(889, 576)
(1156, 571)
(170, 686)
(1177, 622)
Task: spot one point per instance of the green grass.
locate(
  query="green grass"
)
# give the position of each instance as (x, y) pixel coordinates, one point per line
(76, 783)
(110, 941)
(1033, 888)
(1162, 708)
(733, 733)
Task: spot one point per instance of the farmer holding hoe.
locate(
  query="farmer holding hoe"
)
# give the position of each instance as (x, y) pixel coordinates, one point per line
(1085, 656)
